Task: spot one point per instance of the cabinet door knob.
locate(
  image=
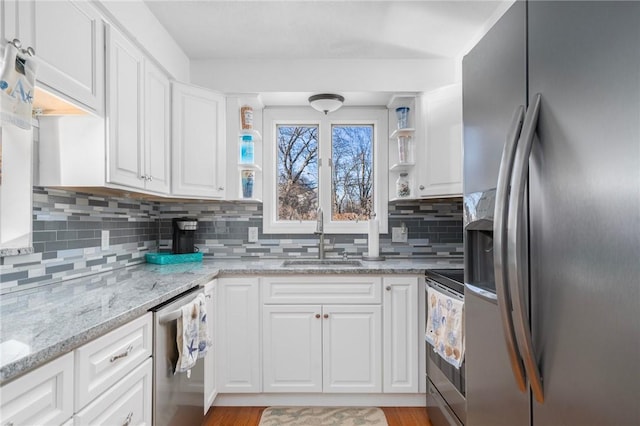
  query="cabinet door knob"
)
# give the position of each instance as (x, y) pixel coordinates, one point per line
(326, 316)
(421, 187)
(149, 178)
(317, 315)
(221, 188)
(388, 288)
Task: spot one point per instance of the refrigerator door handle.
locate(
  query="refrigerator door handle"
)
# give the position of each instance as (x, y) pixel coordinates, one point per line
(515, 246)
(500, 246)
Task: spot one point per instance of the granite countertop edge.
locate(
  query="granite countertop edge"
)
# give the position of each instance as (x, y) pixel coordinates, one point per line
(186, 277)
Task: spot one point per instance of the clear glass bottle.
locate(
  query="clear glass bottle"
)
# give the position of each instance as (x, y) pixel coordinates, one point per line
(402, 185)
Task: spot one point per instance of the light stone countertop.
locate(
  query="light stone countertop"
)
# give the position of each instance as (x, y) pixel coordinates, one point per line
(41, 324)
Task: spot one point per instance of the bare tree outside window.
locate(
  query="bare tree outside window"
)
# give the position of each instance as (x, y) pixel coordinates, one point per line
(352, 173)
(297, 172)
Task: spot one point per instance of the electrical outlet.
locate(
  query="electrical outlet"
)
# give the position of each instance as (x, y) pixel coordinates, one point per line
(253, 234)
(399, 235)
(105, 240)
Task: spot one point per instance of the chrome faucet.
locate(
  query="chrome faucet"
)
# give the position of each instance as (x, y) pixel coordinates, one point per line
(320, 232)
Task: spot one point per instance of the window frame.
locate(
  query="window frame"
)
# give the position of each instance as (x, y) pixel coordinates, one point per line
(274, 116)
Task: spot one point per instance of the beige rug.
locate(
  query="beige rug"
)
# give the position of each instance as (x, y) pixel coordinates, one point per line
(322, 416)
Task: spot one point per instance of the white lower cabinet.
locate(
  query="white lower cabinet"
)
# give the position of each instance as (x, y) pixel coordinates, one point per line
(329, 339)
(314, 348)
(400, 334)
(352, 349)
(42, 397)
(292, 341)
(238, 349)
(210, 376)
(126, 403)
(104, 361)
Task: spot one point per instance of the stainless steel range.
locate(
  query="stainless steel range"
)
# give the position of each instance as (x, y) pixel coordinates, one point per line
(446, 404)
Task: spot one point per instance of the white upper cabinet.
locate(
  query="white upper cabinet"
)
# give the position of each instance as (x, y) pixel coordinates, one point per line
(157, 135)
(440, 152)
(124, 109)
(199, 152)
(68, 38)
(139, 115)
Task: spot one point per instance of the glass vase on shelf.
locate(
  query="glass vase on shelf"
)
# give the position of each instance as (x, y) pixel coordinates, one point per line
(402, 186)
(248, 177)
(405, 149)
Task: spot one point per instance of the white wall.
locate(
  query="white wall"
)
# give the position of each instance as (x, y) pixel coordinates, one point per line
(141, 25)
(335, 75)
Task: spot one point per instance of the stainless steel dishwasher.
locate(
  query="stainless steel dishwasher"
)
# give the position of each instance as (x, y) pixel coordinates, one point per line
(178, 399)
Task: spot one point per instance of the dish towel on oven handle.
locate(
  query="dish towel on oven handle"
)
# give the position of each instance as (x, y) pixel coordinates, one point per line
(445, 326)
(203, 333)
(192, 337)
(17, 82)
(187, 327)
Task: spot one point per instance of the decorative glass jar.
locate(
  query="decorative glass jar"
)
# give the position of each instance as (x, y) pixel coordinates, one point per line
(402, 185)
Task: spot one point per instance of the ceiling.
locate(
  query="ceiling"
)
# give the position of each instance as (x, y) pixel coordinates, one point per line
(321, 29)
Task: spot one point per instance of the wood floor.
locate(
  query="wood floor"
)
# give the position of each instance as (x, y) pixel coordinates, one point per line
(250, 416)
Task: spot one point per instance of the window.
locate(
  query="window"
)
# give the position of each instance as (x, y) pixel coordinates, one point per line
(336, 162)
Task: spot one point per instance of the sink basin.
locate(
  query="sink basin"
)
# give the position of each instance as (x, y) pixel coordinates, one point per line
(321, 262)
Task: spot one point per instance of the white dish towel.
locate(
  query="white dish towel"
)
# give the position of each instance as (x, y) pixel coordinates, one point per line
(192, 337)
(445, 326)
(203, 334)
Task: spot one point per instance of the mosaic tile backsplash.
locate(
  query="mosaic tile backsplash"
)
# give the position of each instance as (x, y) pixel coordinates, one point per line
(67, 228)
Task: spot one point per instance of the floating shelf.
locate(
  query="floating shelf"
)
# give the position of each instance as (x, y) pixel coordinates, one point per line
(402, 132)
(402, 167)
(252, 132)
(251, 166)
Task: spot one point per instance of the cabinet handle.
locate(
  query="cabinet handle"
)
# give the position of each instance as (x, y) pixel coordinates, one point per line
(8, 424)
(127, 421)
(421, 187)
(142, 177)
(388, 288)
(122, 355)
(149, 178)
(221, 188)
(326, 316)
(208, 296)
(317, 315)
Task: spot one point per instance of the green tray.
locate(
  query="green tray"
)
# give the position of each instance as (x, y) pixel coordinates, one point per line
(170, 258)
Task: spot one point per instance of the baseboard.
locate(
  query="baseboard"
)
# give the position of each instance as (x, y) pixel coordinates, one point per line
(321, 399)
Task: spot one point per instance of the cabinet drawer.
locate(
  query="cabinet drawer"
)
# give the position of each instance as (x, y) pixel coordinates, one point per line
(101, 363)
(43, 396)
(126, 403)
(336, 289)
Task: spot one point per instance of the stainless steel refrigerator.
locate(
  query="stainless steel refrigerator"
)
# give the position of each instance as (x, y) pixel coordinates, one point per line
(551, 112)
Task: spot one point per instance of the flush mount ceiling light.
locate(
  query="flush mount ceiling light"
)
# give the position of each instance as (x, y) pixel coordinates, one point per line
(326, 102)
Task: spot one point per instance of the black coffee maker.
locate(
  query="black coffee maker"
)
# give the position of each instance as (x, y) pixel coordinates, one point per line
(184, 230)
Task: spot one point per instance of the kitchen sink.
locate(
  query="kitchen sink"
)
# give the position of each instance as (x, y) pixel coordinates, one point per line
(321, 262)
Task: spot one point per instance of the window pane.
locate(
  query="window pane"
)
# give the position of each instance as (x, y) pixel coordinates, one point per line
(352, 174)
(297, 172)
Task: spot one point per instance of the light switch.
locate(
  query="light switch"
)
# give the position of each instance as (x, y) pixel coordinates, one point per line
(105, 240)
(253, 234)
(399, 235)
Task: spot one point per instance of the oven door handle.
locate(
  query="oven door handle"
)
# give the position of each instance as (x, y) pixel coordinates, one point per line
(500, 233)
